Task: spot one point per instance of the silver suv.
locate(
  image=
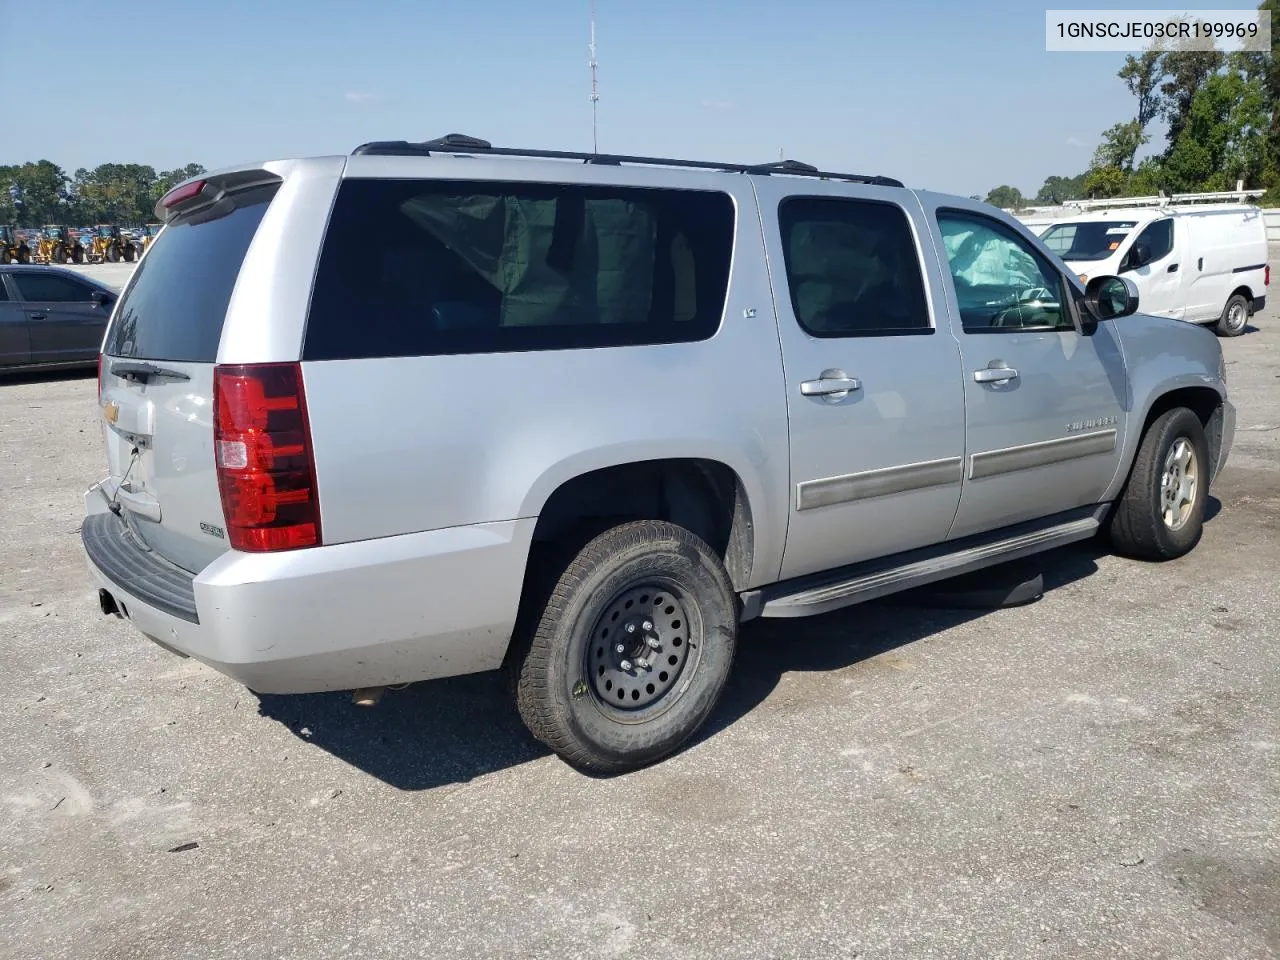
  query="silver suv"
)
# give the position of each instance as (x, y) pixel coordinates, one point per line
(438, 408)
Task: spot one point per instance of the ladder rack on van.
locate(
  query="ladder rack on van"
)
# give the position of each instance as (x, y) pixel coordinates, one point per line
(458, 143)
(1239, 195)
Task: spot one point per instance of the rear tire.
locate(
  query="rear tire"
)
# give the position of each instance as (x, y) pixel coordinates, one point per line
(1235, 317)
(60, 255)
(661, 594)
(77, 255)
(4, 256)
(24, 255)
(113, 253)
(1160, 515)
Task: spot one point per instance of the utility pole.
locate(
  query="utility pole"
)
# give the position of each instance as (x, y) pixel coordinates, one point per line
(595, 91)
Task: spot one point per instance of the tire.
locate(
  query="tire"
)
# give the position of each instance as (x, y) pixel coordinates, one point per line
(1235, 316)
(4, 255)
(603, 711)
(77, 255)
(113, 253)
(24, 255)
(60, 254)
(1149, 521)
(130, 253)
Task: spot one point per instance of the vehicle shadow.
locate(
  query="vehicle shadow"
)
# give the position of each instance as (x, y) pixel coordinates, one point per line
(454, 730)
(48, 376)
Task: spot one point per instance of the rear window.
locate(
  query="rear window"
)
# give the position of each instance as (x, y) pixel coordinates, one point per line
(174, 308)
(418, 268)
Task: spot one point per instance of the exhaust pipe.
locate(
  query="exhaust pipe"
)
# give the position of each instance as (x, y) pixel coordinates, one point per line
(108, 604)
(367, 696)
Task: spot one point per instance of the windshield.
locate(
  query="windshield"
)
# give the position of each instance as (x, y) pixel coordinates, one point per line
(1087, 240)
(53, 232)
(104, 231)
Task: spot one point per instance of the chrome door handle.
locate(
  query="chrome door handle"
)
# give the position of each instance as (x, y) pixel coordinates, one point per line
(834, 387)
(995, 375)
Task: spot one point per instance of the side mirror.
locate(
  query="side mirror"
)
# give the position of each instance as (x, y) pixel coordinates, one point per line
(1108, 298)
(100, 297)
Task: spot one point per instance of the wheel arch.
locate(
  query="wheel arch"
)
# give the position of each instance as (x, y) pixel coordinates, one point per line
(706, 495)
(1204, 400)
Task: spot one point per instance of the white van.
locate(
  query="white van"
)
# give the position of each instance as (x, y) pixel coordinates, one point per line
(1205, 264)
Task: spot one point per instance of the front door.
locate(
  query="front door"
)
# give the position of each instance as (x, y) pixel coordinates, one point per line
(1159, 280)
(1045, 397)
(64, 324)
(872, 373)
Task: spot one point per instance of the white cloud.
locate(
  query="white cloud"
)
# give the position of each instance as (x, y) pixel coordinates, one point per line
(1074, 142)
(361, 96)
(717, 105)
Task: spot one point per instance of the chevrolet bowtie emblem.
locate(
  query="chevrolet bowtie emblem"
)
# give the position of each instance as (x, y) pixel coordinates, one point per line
(111, 410)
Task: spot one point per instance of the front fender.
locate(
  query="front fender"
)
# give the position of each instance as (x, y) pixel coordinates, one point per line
(1163, 356)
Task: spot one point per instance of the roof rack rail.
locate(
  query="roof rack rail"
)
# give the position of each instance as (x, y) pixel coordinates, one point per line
(463, 144)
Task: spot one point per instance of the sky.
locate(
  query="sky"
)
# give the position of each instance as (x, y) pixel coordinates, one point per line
(950, 96)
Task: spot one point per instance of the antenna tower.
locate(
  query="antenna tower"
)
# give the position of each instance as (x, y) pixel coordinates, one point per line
(595, 92)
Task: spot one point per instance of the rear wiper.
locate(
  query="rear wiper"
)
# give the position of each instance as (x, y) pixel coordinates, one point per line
(140, 371)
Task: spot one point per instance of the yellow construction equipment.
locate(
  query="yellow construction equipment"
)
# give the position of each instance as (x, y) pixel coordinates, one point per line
(58, 245)
(13, 249)
(149, 234)
(108, 246)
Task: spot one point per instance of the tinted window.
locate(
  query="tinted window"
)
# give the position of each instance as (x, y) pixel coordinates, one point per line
(1087, 240)
(174, 308)
(1002, 284)
(852, 268)
(50, 288)
(455, 267)
(4, 294)
(1159, 237)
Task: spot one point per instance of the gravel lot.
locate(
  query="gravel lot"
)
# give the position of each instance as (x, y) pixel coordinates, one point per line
(1094, 775)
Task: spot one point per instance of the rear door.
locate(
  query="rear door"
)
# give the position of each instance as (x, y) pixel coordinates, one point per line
(873, 387)
(15, 347)
(158, 366)
(64, 323)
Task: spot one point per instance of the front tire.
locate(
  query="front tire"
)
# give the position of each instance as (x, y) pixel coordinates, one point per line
(1235, 316)
(659, 593)
(1160, 515)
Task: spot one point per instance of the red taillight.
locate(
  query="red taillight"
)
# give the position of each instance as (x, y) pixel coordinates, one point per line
(181, 192)
(1266, 276)
(99, 377)
(262, 448)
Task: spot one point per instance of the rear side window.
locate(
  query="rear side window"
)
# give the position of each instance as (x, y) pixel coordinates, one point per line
(419, 268)
(50, 288)
(852, 268)
(174, 308)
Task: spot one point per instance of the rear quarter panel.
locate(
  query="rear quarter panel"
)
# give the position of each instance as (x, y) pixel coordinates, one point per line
(421, 443)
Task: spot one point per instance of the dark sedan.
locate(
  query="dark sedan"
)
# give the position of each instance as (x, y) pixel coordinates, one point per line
(50, 317)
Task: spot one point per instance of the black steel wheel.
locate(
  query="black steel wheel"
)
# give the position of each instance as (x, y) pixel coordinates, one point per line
(624, 658)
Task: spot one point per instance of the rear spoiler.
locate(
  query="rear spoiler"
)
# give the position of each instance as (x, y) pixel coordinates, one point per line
(207, 189)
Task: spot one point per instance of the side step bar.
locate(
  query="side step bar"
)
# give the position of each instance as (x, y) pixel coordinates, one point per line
(822, 593)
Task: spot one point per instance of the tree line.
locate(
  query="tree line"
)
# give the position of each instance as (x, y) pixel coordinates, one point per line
(110, 193)
(1222, 114)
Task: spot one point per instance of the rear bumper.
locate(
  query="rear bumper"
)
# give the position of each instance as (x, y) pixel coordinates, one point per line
(385, 611)
(1259, 304)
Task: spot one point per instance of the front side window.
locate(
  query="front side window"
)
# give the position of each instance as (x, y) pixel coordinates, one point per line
(1158, 239)
(450, 267)
(1002, 284)
(50, 288)
(852, 268)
